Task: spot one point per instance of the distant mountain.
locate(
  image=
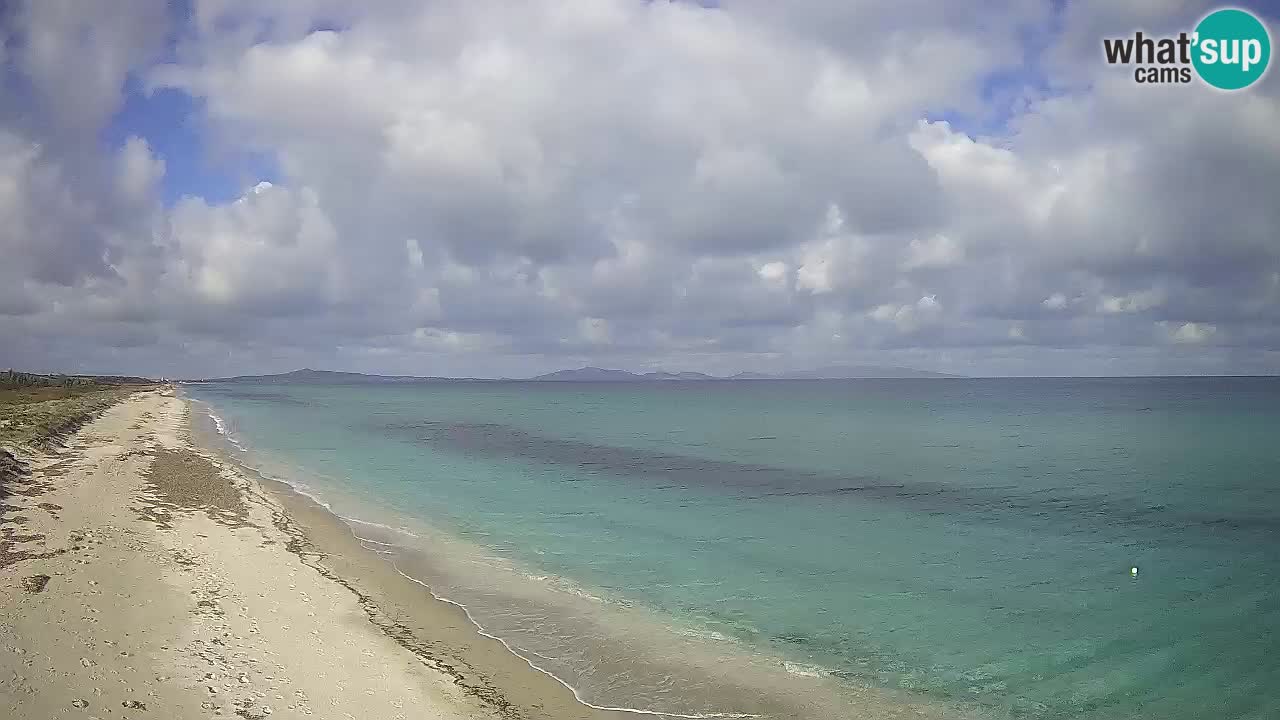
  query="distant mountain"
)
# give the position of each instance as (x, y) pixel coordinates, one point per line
(305, 375)
(588, 374)
(834, 372)
(753, 376)
(678, 376)
(330, 377)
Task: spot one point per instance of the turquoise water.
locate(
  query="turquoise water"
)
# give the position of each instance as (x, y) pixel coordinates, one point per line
(968, 542)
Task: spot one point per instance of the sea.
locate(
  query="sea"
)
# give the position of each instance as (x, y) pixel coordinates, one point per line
(1096, 548)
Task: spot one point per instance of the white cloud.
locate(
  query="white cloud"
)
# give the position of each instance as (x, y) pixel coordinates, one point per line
(1056, 301)
(595, 331)
(76, 56)
(939, 251)
(774, 273)
(273, 251)
(908, 318)
(414, 251)
(642, 183)
(1190, 333)
(140, 171)
(1133, 302)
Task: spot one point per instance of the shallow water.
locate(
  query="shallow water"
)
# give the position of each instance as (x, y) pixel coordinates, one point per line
(964, 541)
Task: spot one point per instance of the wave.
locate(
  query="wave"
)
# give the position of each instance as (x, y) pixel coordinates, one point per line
(222, 427)
(303, 490)
(375, 542)
(577, 695)
(802, 670)
(700, 634)
(298, 487)
(388, 550)
(389, 528)
(562, 584)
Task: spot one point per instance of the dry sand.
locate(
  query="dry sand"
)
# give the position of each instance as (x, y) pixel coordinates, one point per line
(142, 576)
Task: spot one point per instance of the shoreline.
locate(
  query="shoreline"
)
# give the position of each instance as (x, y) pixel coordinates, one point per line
(589, 709)
(374, 573)
(155, 572)
(378, 580)
(436, 630)
(155, 580)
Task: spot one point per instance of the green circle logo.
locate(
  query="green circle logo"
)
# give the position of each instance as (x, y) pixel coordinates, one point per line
(1232, 48)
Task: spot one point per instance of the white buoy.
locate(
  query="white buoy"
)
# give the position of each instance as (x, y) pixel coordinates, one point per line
(1133, 571)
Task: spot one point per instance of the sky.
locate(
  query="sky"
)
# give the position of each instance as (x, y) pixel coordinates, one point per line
(497, 189)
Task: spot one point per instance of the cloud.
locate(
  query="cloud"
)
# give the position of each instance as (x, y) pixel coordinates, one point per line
(1056, 301)
(939, 251)
(75, 56)
(494, 188)
(1136, 302)
(1190, 333)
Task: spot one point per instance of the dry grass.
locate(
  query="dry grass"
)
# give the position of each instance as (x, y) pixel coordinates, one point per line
(32, 417)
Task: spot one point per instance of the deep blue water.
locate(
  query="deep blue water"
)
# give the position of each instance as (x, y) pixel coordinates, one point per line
(968, 542)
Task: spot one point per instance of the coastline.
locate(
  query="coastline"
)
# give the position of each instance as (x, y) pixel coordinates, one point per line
(151, 578)
(437, 631)
(153, 572)
(370, 559)
(441, 631)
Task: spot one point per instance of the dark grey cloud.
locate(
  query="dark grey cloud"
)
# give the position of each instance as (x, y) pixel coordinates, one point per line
(489, 188)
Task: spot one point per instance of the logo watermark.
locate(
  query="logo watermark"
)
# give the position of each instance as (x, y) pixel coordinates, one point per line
(1229, 50)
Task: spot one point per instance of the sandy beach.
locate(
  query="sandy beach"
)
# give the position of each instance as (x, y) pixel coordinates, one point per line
(144, 576)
